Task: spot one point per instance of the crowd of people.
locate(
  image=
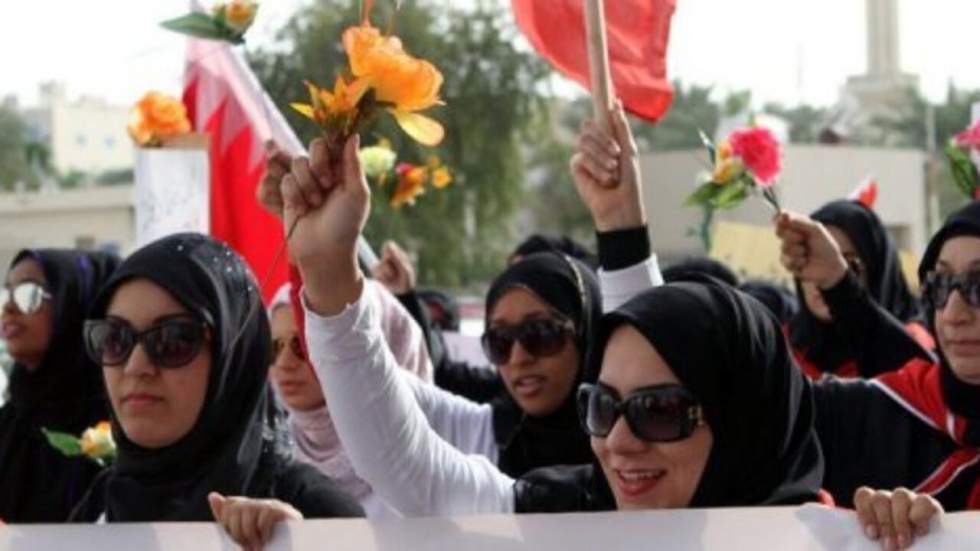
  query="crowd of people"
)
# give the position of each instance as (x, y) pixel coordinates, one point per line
(613, 386)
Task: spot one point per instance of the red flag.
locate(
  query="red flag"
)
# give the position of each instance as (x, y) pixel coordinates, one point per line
(866, 193)
(638, 32)
(226, 101)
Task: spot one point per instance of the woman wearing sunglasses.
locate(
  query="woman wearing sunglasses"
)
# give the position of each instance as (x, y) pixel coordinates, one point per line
(43, 302)
(820, 344)
(183, 341)
(917, 426)
(314, 438)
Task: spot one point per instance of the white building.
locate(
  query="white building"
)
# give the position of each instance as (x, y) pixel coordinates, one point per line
(813, 175)
(87, 135)
(92, 218)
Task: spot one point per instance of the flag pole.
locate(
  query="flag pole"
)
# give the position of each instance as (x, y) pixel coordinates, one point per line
(602, 93)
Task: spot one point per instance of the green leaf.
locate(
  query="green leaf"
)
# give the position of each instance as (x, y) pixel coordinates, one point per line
(963, 170)
(199, 25)
(731, 195)
(68, 444)
(703, 195)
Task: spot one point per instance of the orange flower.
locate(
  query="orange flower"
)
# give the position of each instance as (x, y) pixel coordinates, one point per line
(406, 83)
(441, 177)
(411, 184)
(155, 117)
(335, 109)
(239, 14)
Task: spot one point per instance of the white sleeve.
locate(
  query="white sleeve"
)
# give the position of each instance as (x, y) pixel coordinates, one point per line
(385, 432)
(618, 286)
(466, 425)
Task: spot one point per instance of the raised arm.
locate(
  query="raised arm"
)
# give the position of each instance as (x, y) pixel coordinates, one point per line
(380, 425)
(606, 171)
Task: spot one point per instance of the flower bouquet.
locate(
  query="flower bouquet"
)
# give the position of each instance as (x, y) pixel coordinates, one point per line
(748, 161)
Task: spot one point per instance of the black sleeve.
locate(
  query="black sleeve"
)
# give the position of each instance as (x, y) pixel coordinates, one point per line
(313, 494)
(478, 384)
(433, 338)
(880, 342)
(620, 249)
(869, 440)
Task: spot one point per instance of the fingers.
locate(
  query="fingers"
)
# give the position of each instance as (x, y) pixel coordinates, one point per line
(621, 128)
(217, 502)
(901, 503)
(923, 509)
(307, 184)
(597, 155)
(353, 171)
(320, 163)
(882, 510)
(294, 204)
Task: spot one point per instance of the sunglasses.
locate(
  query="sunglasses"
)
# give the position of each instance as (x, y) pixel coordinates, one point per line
(661, 413)
(168, 343)
(938, 287)
(540, 338)
(294, 344)
(27, 297)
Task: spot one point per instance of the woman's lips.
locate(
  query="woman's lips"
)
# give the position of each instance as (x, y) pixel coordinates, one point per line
(635, 483)
(962, 347)
(10, 330)
(138, 401)
(290, 387)
(528, 386)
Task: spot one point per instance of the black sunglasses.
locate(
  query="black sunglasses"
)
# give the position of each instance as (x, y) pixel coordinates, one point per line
(27, 297)
(539, 337)
(295, 346)
(661, 413)
(169, 343)
(938, 287)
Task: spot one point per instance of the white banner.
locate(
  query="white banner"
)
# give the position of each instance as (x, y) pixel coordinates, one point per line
(806, 528)
(172, 193)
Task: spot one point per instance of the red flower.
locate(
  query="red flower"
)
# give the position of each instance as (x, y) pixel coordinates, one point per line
(760, 153)
(970, 137)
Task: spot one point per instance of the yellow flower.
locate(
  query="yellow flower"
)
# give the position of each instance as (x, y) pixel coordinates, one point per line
(239, 14)
(403, 82)
(411, 184)
(441, 177)
(331, 109)
(377, 160)
(155, 117)
(97, 442)
(727, 166)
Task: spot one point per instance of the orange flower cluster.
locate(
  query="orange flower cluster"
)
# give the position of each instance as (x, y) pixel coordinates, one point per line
(383, 77)
(412, 180)
(155, 118)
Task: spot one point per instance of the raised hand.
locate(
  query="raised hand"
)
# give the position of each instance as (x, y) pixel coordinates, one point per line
(395, 270)
(896, 518)
(809, 251)
(269, 192)
(326, 204)
(606, 171)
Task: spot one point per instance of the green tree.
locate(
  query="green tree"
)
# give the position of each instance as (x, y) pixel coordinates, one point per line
(13, 150)
(460, 234)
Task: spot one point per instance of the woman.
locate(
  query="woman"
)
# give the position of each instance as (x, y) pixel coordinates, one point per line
(314, 437)
(45, 298)
(931, 409)
(820, 344)
(183, 342)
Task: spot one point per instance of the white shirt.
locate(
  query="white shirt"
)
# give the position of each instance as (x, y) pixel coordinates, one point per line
(425, 451)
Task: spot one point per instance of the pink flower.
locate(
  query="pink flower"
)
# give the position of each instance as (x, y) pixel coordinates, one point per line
(970, 137)
(760, 153)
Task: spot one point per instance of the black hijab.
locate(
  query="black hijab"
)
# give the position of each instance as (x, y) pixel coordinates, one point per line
(538, 243)
(233, 448)
(729, 351)
(782, 302)
(962, 398)
(572, 289)
(822, 342)
(64, 393)
(701, 265)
